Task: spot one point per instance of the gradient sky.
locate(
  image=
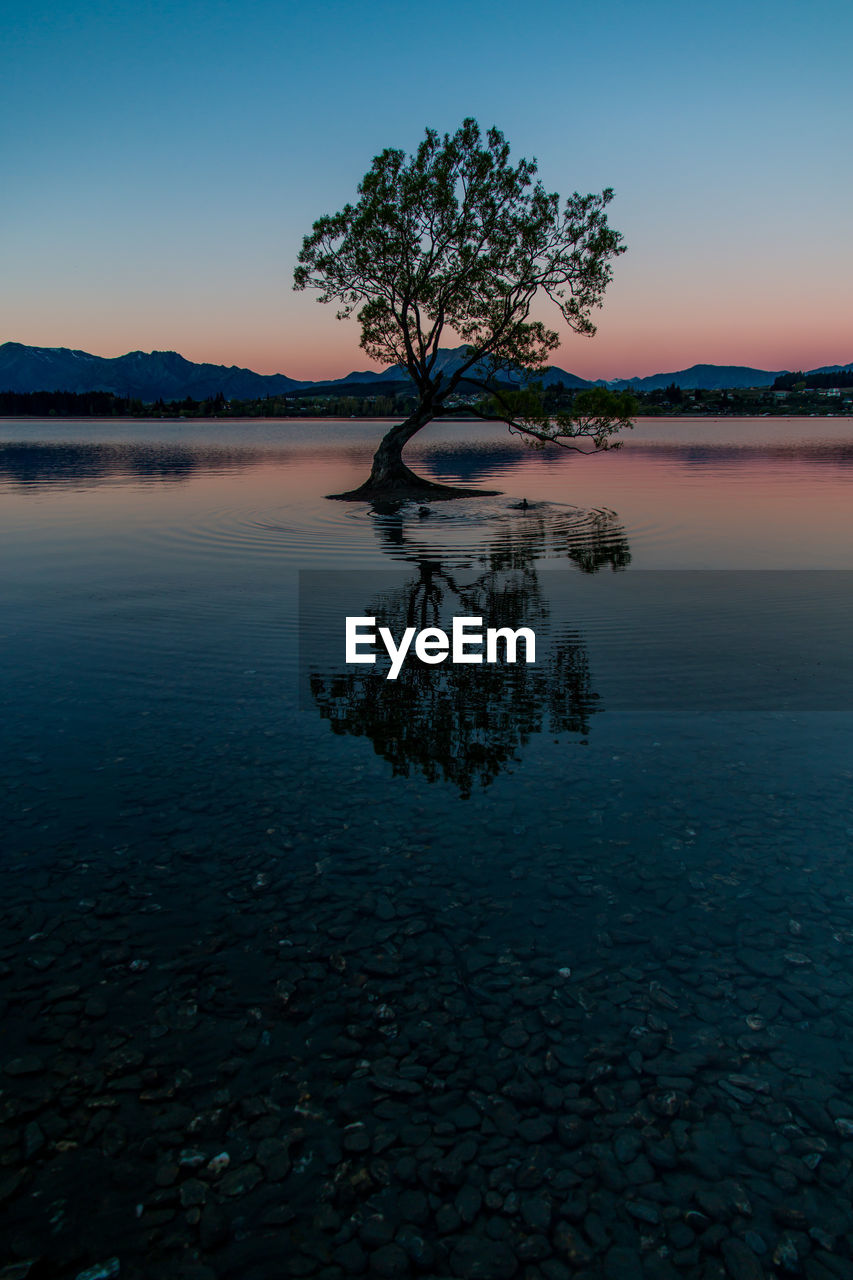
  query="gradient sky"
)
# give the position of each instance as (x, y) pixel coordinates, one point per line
(161, 163)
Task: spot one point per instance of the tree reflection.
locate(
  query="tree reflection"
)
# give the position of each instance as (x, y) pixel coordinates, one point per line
(465, 724)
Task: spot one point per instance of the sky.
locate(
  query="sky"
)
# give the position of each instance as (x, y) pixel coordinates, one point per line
(162, 162)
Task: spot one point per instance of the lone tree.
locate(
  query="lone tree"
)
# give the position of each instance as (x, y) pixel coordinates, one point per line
(458, 240)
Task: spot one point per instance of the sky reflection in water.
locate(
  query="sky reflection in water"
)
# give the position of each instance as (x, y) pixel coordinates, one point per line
(654, 807)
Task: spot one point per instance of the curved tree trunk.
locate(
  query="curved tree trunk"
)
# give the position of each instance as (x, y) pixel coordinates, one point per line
(391, 478)
(389, 469)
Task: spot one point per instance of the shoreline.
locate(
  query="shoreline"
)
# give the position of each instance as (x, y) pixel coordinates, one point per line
(331, 417)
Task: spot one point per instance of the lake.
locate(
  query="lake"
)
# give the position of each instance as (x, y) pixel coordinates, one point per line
(536, 970)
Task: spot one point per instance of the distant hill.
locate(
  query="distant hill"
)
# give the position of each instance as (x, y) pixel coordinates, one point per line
(394, 374)
(153, 375)
(450, 358)
(833, 368)
(707, 377)
(140, 374)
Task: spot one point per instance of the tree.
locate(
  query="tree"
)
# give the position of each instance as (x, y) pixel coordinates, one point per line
(458, 240)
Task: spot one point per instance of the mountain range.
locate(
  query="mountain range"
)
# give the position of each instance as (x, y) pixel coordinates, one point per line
(154, 375)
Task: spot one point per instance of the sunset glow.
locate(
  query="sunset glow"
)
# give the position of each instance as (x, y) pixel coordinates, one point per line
(159, 200)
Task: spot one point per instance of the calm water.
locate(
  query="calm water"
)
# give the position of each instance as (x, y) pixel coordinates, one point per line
(538, 971)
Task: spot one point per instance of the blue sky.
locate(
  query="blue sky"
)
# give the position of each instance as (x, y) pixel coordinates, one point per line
(162, 163)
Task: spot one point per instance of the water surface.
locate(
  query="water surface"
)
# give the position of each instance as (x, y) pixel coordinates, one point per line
(538, 973)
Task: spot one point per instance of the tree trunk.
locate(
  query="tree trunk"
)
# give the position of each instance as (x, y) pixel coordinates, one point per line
(391, 478)
(389, 470)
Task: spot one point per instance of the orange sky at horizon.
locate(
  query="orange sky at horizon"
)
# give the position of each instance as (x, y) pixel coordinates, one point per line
(656, 318)
(314, 352)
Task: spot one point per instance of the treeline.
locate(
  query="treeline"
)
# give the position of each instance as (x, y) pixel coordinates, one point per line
(813, 381)
(739, 402)
(318, 405)
(101, 404)
(67, 404)
(671, 400)
(106, 404)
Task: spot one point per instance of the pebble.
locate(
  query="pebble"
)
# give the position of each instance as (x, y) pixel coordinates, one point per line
(467, 1203)
(26, 1066)
(447, 1219)
(476, 1258)
(214, 1229)
(391, 1262)
(101, 1271)
(643, 1211)
(34, 1140)
(627, 1146)
(741, 1262)
(536, 1212)
(240, 1181)
(417, 1247)
(193, 1193)
(785, 1255)
(622, 1263)
(535, 1129)
(570, 1244)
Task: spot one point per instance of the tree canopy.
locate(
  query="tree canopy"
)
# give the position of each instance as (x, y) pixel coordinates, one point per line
(458, 240)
